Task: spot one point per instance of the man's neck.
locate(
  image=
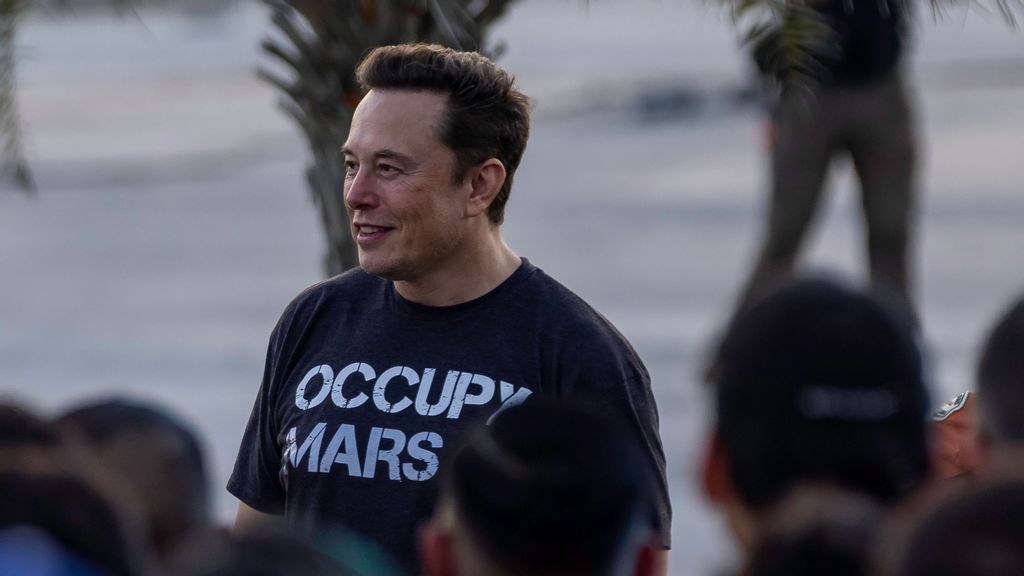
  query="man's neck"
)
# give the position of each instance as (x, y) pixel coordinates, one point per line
(475, 274)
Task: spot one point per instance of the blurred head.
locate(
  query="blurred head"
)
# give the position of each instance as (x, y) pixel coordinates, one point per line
(979, 533)
(1000, 379)
(267, 554)
(50, 523)
(430, 156)
(820, 383)
(151, 455)
(817, 530)
(28, 443)
(543, 490)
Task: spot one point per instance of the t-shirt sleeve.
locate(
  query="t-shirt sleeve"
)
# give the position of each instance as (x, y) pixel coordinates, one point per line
(606, 374)
(641, 415)
(255, 479)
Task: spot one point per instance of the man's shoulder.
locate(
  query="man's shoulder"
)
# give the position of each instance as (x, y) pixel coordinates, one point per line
(568, 314)
(353, 285)
(352, 282)
(552, 297)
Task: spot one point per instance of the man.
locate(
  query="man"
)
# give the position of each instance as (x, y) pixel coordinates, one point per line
(982, 432)
(820, 384)
(372, 375)
(544, 490)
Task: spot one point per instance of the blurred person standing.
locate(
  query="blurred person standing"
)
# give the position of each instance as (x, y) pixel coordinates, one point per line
(851, 97)
(820, 384)
(982, 431)
(152, 461)
(544, 490)
(1000, 384)
(371, 375)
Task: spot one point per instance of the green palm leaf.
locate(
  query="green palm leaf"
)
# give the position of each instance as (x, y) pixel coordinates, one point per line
(789, 39)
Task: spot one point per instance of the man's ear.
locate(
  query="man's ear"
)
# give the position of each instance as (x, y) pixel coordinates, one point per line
(715, 474)
(437, 555)
(485, 183)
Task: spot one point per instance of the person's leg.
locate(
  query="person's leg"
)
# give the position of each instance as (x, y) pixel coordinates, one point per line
(884, 155)
(801, 151)
(802, 145)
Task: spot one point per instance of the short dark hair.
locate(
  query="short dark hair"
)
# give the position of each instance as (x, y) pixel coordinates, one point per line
(822, 382)
(155, 454)
(486, 115)
(978, 533)
(20, 427)
(549, 489)
(28, 442)
(1000, 377)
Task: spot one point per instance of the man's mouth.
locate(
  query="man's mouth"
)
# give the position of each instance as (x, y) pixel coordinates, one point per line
(368, 232)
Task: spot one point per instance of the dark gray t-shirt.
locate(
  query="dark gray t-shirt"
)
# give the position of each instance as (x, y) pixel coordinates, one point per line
(364, 391)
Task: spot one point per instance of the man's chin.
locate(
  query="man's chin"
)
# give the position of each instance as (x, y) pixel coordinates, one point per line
(374, 266)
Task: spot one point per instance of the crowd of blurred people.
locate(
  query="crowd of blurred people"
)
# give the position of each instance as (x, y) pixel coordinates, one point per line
(826, 456)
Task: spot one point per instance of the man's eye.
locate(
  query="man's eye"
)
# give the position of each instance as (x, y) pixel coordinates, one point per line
(387, 170)
(351, 168)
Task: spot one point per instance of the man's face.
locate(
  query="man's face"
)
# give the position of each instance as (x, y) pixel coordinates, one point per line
(407, 215)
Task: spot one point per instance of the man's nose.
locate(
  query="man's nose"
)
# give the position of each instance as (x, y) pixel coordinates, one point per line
(359, 191)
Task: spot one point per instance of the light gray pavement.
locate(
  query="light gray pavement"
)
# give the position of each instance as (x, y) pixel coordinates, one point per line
(172, 225)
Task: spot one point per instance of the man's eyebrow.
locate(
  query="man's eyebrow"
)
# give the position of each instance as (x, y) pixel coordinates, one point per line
(382, 153)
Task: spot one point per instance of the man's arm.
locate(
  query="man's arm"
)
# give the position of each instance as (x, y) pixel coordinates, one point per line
(248, 520)
(660, 562)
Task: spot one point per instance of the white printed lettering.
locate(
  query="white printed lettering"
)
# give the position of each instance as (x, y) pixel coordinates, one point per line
(357, 382)
(374, 454)
(423, 405)
(463, 397)
(311, 444)
(507, 389)
(515, 400)
(380, 388)
(344, 437)
(337, 394)
(300, 392)
(426, 456)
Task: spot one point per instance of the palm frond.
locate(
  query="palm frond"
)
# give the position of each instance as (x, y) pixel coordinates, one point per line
(790, 40)
(13, 165)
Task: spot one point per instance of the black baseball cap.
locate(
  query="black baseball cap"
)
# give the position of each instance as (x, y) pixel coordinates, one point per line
(822, 382)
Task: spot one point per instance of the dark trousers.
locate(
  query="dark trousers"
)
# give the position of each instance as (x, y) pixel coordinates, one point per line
(872, 123)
